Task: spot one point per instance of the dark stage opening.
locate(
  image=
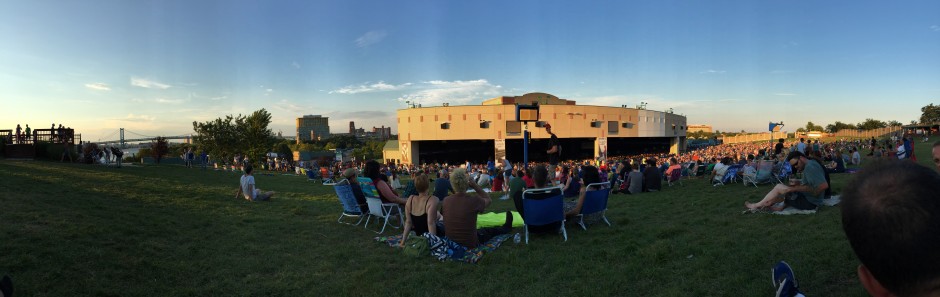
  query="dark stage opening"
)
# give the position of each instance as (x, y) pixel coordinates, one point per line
(479, 151)
(456, 151)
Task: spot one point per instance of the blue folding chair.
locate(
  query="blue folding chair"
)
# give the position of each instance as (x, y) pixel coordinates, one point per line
(350, 207)
(543, 211)
(730, 176)
(595, 201)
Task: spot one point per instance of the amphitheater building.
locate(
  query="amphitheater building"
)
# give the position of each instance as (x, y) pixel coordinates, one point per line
(476, 133)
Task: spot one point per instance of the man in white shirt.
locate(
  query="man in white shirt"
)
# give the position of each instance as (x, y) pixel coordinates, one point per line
(901, 152)
(856, 157)
(801, 146)
(248, 189)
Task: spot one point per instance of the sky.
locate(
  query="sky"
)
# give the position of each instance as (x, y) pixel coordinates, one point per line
(154, 67)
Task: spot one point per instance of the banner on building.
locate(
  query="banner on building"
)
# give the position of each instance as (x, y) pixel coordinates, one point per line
(500, 147)
(601, 153)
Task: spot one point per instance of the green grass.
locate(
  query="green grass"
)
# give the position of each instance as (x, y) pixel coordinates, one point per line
(73, 230)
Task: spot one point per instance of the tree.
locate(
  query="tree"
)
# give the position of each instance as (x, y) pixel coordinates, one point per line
(256, 138)
(871, 124)
(800, 129)
(835, 127)
(894, 124)
(370, 150)
(283, 149)
(159, 147)
(930, 114)
(223, 137)
(813, 127)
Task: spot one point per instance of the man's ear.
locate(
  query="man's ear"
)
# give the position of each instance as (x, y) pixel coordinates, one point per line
(872, 285)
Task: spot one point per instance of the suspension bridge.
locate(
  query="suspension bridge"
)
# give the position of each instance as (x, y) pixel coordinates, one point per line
(122, 140)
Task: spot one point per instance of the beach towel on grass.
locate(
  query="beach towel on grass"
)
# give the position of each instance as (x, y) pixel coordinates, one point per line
(831, 201)
(496, 219)
(446, 249)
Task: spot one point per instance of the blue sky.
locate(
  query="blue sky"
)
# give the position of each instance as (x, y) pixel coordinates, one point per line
(154, 67)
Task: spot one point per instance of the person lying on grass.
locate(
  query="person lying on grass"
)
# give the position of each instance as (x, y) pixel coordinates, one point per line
(805, 194)
(461, 209)
(421, 211)
(248, 190)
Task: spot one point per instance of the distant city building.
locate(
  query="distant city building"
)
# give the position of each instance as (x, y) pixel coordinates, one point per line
(313, 127)
(703, 128)
(378, 133)
(382, 133)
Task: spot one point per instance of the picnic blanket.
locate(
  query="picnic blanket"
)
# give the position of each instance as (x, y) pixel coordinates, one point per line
(496, 219)
(831, 201)
(446, 249)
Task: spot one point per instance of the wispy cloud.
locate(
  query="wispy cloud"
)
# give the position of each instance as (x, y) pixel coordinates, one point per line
(370, 38)
(458, 91)
(295, 64)
(935, 28)
(218, 98)
(369, 87)
(712, 71)
(784, 94)
(147, 83)
(98, 86)
(289, 106)
(168, 101)
(136, 118)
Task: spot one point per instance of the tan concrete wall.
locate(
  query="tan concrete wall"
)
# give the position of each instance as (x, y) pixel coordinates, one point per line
(417, 124)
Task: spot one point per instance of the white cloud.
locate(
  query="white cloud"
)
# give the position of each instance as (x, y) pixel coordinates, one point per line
(367, 87)
(136, 118)
(218, 98)
(295, 64)
(784, 94)
(168, 101)
(292, 107)
(456, 92)
(98, 86)
(712, 71)
(370, 38)
(146, 83)
(935, 28)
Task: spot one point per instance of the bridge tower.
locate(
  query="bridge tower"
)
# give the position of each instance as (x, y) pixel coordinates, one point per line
(123, 144)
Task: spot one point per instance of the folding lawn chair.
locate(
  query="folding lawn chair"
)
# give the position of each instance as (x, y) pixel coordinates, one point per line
(311, 175)
(675, 177)
(782, 173)
(543, 211)
(383, 211)
(730, 176)
(595, 201)
(327, 177)
(350, 207)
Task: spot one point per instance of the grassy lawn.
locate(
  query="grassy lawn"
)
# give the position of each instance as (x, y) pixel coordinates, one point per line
(70, 229)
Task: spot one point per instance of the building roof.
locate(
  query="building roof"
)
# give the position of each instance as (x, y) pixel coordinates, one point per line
(527, 99)
(391, 145)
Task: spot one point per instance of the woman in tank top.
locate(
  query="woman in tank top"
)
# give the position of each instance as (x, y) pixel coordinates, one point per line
(421, 214)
